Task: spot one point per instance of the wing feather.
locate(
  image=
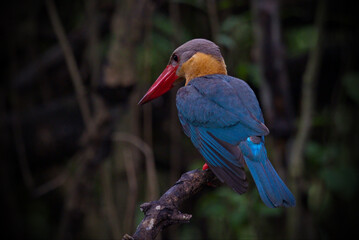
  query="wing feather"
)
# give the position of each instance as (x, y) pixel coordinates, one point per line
(213, 103)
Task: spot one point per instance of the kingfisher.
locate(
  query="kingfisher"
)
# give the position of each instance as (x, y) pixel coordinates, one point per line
(222, 117)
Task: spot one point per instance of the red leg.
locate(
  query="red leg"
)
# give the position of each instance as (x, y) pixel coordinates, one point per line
(205, 167)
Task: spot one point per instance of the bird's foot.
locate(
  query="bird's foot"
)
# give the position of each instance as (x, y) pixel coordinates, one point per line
(205, 167)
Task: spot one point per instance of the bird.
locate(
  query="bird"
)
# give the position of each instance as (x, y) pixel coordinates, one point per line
(222, 117)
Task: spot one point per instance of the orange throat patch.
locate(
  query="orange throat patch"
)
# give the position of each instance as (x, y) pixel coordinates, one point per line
(201, 64)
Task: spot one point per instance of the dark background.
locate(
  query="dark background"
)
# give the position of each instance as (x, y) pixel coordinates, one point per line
(78, 155)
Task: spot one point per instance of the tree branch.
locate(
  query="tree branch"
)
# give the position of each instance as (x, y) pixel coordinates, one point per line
(152, 182)
(164, 212)
(275, 94)
(71, 64)
(296, 158)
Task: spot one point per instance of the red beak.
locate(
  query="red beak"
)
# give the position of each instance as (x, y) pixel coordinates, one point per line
(162, 85)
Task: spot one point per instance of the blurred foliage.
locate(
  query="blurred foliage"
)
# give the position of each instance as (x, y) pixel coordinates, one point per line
(351, 85)
(300, 40)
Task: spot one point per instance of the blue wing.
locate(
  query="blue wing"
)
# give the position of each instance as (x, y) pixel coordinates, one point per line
(220, 114)
(225, 106)
(224, 159)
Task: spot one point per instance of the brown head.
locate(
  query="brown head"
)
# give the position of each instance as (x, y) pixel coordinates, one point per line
(195, 58)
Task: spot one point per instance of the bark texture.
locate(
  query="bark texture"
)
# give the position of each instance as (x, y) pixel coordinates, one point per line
(165, 211)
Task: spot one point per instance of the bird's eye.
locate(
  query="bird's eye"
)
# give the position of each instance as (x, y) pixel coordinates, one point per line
(175, 58)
